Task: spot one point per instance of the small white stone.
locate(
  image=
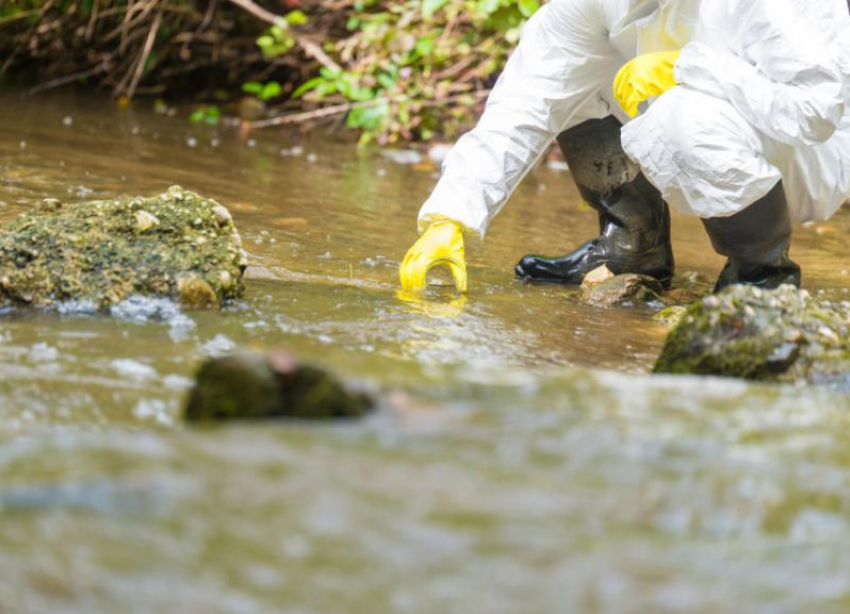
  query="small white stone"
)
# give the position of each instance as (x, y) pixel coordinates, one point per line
(145, 221)
(828, 333)
(597, 276)
(222, 214)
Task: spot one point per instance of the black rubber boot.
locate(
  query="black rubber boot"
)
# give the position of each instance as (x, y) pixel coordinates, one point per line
(756, 243)
(634, 221)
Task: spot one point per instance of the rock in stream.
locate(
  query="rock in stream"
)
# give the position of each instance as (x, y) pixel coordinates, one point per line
(626, 289)
(251, 386)
(779, 335)
(177, 245)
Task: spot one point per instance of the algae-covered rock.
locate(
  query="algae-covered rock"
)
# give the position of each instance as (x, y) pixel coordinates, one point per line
(251, 386)
(620, 290)
(671, 316)
(745, 332)
(177, 245)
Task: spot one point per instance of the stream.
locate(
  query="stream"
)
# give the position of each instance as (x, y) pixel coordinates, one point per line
(523, 462)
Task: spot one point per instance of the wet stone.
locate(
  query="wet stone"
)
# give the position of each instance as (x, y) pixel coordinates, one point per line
(253, 386)
(780, 335)
(622, 290)
(177, 245)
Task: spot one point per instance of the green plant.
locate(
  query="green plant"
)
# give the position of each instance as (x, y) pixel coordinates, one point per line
(263, 91)
(396, 70)
(278, 39)
(416, 68)
(210, 115)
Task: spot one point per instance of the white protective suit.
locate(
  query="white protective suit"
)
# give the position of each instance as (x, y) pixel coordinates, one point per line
(764, 95)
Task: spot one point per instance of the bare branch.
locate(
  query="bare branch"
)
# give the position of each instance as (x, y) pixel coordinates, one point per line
(310, 48)
(140, 66)
(79, 76)
(342, 109)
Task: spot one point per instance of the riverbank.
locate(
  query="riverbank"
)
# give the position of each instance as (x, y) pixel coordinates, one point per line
(389, 71)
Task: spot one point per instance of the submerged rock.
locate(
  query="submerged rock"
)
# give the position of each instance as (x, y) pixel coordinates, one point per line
(177, 245)
(250, 386)
(779, 335)
(621, 289)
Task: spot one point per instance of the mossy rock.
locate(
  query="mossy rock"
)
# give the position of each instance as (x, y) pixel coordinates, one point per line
(252, 386)
(770, 335)
(177, 245)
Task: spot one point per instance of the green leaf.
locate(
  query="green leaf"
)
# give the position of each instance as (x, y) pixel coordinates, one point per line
(324, 89)
(429, 7)
(270, 90)
(213, 115)
(252, 87)
(307, 86)
(368, 118)
(296, 18)
(505, 19)
(386, 81)
(329, 73)
(488, 7)
(424, 46)
(528, 7)
(206, 115)
(361, 94)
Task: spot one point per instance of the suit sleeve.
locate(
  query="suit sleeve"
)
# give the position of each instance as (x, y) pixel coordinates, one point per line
(554, 71)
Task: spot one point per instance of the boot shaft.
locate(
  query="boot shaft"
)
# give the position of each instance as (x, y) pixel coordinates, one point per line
(632, 213)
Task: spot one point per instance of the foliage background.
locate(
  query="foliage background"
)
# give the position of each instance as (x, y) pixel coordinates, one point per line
(392, 70)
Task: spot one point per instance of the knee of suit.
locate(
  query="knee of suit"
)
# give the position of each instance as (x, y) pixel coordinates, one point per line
(701, 153)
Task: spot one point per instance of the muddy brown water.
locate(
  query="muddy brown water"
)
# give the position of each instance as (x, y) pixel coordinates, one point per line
(528, 464)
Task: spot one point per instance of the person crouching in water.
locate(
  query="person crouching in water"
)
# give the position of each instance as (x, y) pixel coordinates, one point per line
(737, 111)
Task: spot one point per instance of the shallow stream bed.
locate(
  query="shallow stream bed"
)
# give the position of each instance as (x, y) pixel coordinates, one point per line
(524, 462)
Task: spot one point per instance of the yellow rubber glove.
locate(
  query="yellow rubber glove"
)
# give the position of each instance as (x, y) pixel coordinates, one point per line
(648, 75)
(440, 245)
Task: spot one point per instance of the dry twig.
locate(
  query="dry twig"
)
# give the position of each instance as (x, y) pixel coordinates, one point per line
(146, 52)
(342, 109)
(310, 48)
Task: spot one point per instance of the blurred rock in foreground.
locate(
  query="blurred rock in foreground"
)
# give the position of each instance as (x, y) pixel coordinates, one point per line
(250, 386)
(775, 335)
(177, 245)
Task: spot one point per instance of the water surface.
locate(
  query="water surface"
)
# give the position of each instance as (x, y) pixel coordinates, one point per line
(524, 462)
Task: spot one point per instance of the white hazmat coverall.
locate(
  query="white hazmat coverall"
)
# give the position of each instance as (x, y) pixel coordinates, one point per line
(763, 97)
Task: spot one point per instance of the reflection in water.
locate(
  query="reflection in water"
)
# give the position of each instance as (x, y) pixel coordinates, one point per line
(523, 462)
(437, 302)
